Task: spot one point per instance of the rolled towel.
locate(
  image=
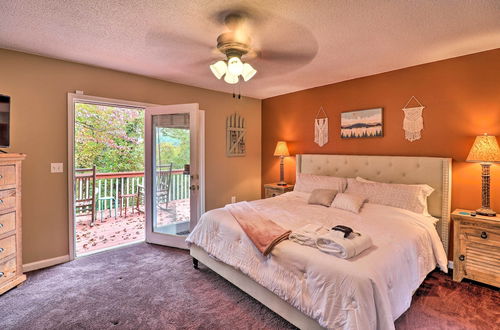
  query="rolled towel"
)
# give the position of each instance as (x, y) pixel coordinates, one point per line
(335, 244)
(308, 234)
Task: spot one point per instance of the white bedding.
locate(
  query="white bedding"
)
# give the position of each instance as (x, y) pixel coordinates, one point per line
(369, 291)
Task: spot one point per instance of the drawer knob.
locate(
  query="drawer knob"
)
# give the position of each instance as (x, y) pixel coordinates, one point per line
(1, 201)
(484, 235)
(1, 250)
(1, 274)
(1, 225)
(462, 257)
(1, 176)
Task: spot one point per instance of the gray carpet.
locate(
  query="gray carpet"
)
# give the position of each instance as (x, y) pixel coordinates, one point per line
(138, 287)
(152, 287)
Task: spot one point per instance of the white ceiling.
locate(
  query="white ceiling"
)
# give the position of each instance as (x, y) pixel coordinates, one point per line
(329, 40)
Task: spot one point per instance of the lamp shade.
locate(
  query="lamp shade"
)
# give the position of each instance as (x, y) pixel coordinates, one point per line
(248, 72)
(234, 66)
(219, 69)
(281, 149)
(230, 78)
(485, 149)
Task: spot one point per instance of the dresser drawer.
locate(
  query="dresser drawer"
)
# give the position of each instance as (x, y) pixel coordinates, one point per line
(481, 235)
(7, 222)
(7, 269)
(7, 175)
(482, 263)
(7, 199)
(7, 246)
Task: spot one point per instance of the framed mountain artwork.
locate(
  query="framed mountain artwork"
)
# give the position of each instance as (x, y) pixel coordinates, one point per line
(362, 124)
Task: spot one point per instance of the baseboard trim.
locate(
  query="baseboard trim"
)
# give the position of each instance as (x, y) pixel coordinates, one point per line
(45, 263)
(450, 264)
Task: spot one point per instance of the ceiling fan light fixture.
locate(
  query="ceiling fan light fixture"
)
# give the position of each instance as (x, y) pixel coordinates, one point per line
(219, 68)
(248, 72)
(234, 66)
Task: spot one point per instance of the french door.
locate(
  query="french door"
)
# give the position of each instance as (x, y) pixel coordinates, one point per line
(174, 171)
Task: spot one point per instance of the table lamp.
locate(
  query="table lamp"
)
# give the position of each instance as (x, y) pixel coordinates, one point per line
(485, 150)
(281, 151)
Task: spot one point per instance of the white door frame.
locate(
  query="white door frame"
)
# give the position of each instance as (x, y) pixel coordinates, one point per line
(80, 97)
(197, 157)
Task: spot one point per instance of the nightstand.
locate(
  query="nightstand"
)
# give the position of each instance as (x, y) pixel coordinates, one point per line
(476, 252)
(272, 189)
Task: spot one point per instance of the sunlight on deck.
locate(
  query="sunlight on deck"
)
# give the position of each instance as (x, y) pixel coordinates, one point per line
(113, 232)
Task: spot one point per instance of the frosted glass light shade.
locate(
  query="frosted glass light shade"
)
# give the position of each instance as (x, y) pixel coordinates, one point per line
(234, 66)
(248, 72)
(485, 149)
(281, 149)
(231, 79)
(218, 69)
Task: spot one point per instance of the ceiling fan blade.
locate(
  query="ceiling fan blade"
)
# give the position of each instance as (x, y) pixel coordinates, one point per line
(273, 55)
(170, 39)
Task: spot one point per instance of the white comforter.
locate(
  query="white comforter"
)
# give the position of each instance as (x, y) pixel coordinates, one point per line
(369, 291)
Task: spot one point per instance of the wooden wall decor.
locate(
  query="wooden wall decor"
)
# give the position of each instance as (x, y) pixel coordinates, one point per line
(235, 136)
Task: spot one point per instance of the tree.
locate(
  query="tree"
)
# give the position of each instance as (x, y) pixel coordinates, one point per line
(173, 147)
(109, 137)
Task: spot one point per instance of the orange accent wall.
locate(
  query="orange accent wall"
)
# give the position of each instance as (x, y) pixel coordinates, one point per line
(461, 98)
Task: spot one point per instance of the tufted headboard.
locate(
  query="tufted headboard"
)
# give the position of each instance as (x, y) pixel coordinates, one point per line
(436, 172)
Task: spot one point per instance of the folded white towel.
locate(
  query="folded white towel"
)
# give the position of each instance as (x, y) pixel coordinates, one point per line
(308, 234)
(334, 243)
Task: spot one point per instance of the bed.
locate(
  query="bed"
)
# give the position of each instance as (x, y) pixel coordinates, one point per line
(313, 290)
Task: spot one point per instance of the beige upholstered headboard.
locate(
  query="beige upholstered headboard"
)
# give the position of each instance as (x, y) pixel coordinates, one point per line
(436, 172)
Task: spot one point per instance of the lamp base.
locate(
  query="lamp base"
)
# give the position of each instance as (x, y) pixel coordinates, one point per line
(486, 212)
(282, 183)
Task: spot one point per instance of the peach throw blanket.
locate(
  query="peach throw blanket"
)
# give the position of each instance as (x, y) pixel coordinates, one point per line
(264, 233)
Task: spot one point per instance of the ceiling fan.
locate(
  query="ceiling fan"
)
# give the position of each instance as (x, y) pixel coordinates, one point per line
(234, 44)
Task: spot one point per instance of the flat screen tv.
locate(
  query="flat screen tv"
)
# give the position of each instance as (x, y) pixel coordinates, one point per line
(4, 121)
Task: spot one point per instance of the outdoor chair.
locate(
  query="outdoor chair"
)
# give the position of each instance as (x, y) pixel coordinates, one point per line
(85, 190)
(163, 182)
(102, 201)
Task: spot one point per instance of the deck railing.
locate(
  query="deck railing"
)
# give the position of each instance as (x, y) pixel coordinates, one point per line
(125, 183)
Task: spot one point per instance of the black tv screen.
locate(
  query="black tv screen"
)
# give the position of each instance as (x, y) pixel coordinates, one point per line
(4, 121)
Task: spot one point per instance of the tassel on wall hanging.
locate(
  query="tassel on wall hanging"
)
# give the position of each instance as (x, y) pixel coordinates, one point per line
(321, 128)
(413, 122)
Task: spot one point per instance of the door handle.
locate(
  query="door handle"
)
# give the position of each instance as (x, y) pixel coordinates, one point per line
(194, 187)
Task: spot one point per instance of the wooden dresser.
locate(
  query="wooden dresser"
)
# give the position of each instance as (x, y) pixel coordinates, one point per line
(11, 262)
(476, 247)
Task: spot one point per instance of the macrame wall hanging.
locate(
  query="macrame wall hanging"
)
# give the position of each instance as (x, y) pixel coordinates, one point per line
(321, 128)
(413, 123)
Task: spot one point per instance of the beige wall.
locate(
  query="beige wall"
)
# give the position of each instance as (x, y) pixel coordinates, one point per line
(39, 86)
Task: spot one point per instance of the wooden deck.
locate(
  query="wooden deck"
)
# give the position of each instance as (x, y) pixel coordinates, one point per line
(113, 232)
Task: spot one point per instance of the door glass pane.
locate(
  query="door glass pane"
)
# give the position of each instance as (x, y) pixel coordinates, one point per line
(171, 178)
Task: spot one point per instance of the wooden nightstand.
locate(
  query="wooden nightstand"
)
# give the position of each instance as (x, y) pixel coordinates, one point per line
(476, 252)
(272, 189)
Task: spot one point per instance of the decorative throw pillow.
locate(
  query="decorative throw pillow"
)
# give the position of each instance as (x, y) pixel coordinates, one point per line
(426, 190)
(308, 182)
(408, 197)
(322, 197)
(348, 202)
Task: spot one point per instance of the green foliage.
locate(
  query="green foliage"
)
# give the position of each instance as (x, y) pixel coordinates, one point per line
(173, 147)
(112, 138)
(109, 137)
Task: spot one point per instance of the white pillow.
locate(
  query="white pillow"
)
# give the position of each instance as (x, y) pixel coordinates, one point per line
(408, 197)
(309, 182)
(348, 202)
(426, 190)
